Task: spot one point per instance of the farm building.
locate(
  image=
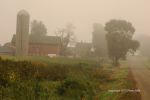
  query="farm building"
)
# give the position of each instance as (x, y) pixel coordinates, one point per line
(42, 46)
(7, 50)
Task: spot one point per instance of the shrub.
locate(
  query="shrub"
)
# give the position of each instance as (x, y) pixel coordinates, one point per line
(71, 88)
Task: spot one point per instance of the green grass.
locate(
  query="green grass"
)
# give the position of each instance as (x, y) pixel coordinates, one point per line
(147, 64)
(55, 60)
(118, 82)
(63, 79)
(121, 79)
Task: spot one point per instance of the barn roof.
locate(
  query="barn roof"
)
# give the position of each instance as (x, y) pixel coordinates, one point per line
(41, 39)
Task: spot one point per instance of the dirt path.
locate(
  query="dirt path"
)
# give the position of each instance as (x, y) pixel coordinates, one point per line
(142, 76)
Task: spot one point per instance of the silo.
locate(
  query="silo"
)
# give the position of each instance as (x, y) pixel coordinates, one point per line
(22, 33)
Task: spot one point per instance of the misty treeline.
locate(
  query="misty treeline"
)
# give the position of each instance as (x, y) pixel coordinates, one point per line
(144, 44)
(114, 40)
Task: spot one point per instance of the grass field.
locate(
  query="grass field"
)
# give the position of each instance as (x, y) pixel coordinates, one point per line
(44, 78)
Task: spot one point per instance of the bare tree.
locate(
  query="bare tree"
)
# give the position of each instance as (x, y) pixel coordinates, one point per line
(66, 37)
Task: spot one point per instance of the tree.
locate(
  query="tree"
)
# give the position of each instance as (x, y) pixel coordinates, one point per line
(38, 28)
(119, 39)
(98, 40)
(66, 37)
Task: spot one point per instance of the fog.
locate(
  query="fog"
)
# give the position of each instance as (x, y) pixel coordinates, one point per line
(82, 13)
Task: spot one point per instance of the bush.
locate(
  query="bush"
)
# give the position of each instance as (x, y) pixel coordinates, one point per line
(72, 88)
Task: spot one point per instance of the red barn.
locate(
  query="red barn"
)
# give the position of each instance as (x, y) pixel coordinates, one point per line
(42, 46)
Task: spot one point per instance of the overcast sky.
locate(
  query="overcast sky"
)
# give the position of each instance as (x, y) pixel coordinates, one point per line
(82, 13)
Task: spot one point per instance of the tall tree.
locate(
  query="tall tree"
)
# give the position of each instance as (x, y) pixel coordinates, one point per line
(66, 37)
(119, 39)
(99, 40)
(38, 28)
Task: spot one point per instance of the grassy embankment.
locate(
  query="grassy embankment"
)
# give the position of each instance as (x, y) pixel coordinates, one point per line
(43, 78)
(147, 63)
